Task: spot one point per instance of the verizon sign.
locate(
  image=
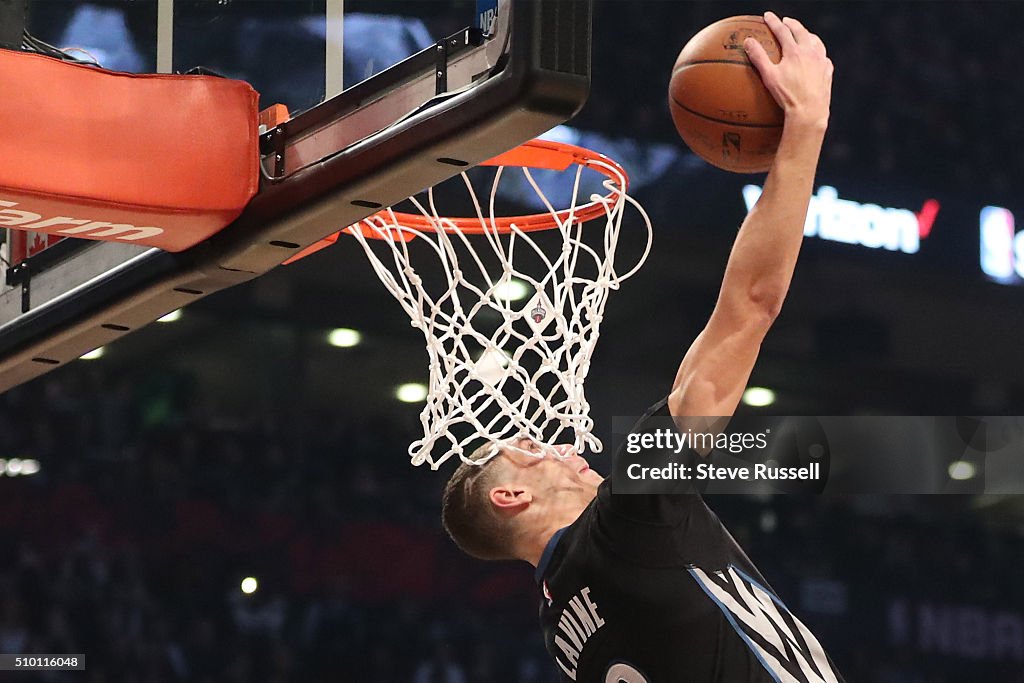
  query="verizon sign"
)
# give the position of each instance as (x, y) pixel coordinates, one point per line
(866, 225)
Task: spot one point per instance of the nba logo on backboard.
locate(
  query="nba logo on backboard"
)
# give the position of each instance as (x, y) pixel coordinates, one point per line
(486, 15)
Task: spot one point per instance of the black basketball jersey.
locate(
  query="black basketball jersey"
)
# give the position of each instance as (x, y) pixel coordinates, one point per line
(653, 589)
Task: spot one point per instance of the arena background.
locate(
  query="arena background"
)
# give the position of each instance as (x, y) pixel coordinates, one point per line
(237, 442)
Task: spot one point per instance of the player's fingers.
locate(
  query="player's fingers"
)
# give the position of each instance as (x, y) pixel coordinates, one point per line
(758, 57)
(800, 34)
(782, 32)
(817, 44)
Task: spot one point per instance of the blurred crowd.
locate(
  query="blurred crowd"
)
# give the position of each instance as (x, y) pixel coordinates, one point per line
(131, 542)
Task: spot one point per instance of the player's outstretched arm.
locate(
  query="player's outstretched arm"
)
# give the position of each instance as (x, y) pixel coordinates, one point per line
(716, 368)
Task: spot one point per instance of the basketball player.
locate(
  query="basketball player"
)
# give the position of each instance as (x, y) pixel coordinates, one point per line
(652, 588)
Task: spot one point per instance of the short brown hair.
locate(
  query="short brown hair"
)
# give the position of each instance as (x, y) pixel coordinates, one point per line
(467, 513)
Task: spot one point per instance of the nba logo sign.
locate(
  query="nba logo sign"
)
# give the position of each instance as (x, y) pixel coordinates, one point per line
(486, 15)
(1002, 248)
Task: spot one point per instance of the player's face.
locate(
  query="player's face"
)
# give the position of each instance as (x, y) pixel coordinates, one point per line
(561, 470)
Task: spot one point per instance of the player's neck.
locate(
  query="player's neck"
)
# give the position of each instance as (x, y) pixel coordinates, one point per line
(533, 549)
(533, 545)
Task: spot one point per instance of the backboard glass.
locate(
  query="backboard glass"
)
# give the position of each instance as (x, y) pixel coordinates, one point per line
(386, 98)
(296, 52)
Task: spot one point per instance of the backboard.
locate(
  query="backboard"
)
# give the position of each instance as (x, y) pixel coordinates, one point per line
(386, 98)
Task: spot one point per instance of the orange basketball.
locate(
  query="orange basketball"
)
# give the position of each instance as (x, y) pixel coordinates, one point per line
(720, 106)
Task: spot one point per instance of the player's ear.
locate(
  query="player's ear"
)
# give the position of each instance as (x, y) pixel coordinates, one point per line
(510, 498)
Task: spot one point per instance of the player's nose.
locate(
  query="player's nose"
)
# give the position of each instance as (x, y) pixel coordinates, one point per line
(573, 459)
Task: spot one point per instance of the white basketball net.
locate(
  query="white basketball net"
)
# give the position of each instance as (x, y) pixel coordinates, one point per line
(501, 368)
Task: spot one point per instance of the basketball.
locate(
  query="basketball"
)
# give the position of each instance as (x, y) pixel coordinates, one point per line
(719, 104)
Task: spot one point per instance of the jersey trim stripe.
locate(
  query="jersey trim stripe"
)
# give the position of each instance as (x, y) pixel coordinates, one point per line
(732, 620)
(799, 657)
(545, 558)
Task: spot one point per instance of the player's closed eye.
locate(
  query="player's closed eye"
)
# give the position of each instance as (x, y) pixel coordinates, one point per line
(528, 444)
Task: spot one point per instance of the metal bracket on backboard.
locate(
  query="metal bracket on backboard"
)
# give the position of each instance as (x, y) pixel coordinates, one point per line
(450, 47)
(272, 150)
(441, 67)
(21, 273)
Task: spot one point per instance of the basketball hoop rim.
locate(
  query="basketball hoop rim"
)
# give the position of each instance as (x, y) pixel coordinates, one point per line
(535, 154)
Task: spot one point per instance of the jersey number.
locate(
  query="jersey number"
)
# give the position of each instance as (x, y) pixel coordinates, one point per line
(621, 672)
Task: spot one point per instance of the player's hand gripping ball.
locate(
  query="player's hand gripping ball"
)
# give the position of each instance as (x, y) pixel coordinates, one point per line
(719, 103)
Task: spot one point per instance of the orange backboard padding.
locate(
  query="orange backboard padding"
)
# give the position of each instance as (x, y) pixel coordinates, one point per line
(156, 160)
